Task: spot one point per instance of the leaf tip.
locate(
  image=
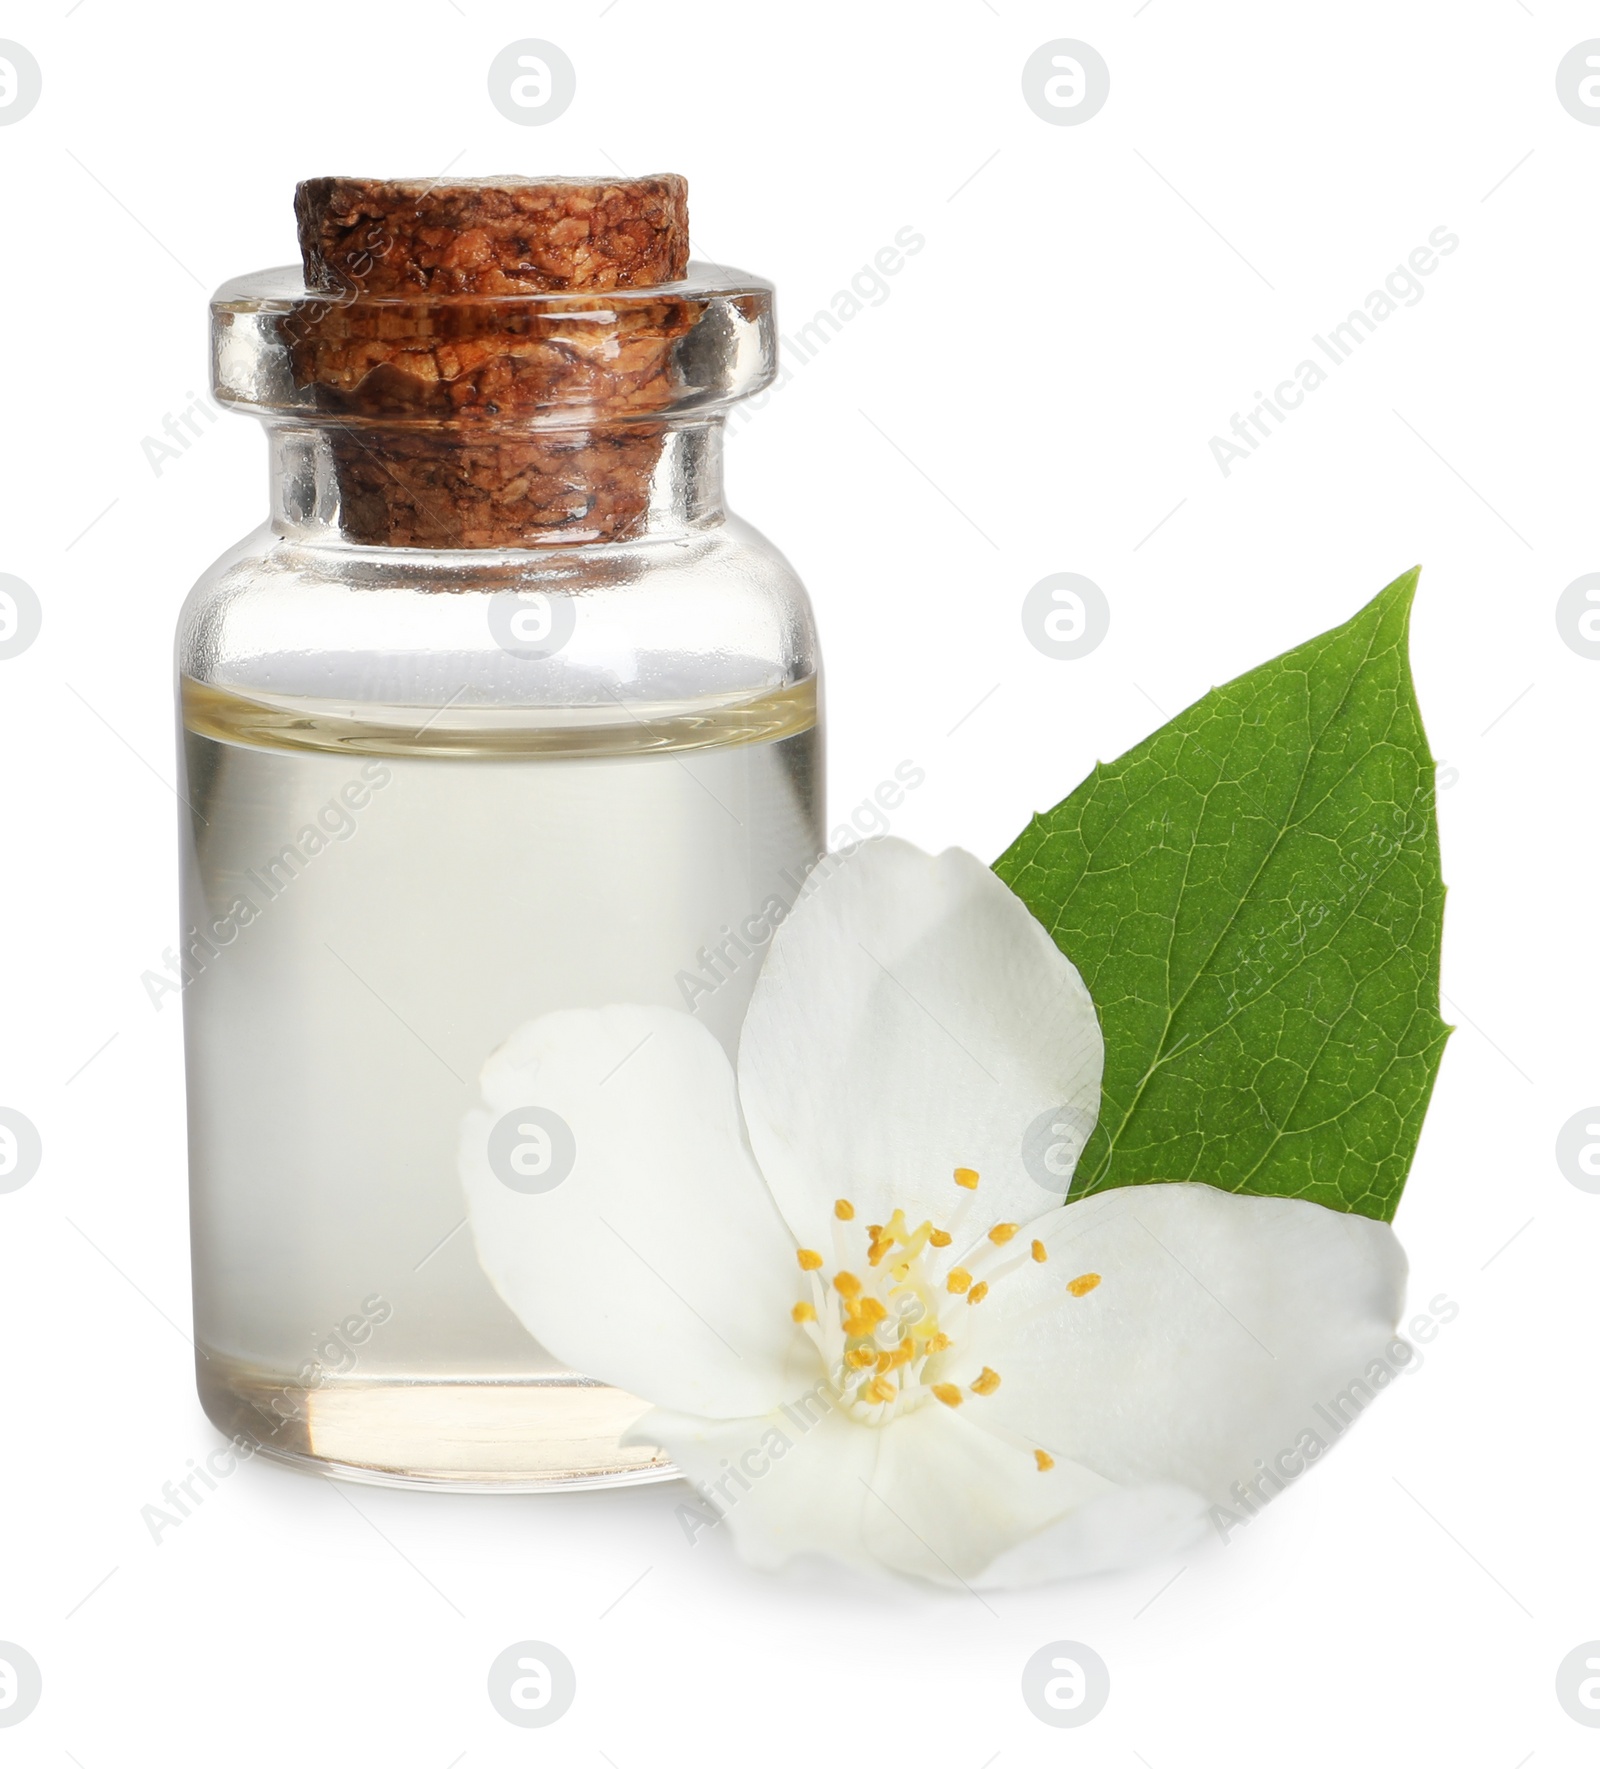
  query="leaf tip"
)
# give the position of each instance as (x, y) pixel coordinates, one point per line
(1404, 586)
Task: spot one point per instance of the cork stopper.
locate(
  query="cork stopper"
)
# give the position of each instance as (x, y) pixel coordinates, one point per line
(482, 409)
(494, 236)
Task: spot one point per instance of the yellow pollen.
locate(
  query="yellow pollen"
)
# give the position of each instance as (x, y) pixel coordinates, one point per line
(878, 1389)
(948, 1393)
(977, 1293)
(968, 1177)
(1082, 1286)
(939, 1342)
(988, 1381)
(862, 1357)
(801, 1312)
(878, 1248)
(1039, 1253)
(809, 1261)
(958, 1280)
(1002, 1232)
(844, 1209)
(847, 1284)
(938, 1238)
(1043, 1462)
(872, 1310)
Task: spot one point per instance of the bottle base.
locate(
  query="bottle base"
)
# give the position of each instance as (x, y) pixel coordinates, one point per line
(476, 1435)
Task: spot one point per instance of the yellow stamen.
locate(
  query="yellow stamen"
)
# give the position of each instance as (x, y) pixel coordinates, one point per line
(871, 1310)
(1039, 1253)
(948, 1393)
(968, 1177)
(958, 1281)
(802, 1311)
(1002, 1232)
(913, 1243)
(809, 1261)
(862, 1357)
(844, 1209)
(1082, 1286)
(987, 1382)
(879, 1390)
(939, 1342)
(847, 1284)
(977, 1293)
(878, 1248)
(938, 1238)
(1043, 1462)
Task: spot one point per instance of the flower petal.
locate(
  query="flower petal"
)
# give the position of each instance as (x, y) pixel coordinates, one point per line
(1128, 1526)
(659, 1263)
(1218, 1326)
(949, 1498)
(785, 1484)
(912, 1017)
(932, 1494)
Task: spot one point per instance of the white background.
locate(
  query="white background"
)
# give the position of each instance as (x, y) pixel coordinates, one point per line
(1054, 364)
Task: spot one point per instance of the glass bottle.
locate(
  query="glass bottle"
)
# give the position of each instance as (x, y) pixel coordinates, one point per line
(444, 773)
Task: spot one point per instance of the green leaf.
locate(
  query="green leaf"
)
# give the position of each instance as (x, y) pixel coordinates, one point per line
(1254, 899)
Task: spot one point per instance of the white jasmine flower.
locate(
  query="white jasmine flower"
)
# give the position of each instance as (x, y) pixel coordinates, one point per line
(866, 1330)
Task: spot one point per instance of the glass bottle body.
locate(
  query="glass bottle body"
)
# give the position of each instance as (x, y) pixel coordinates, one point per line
(431, 795)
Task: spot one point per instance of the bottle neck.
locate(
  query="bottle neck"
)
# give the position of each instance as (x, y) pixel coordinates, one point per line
(479, 487)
